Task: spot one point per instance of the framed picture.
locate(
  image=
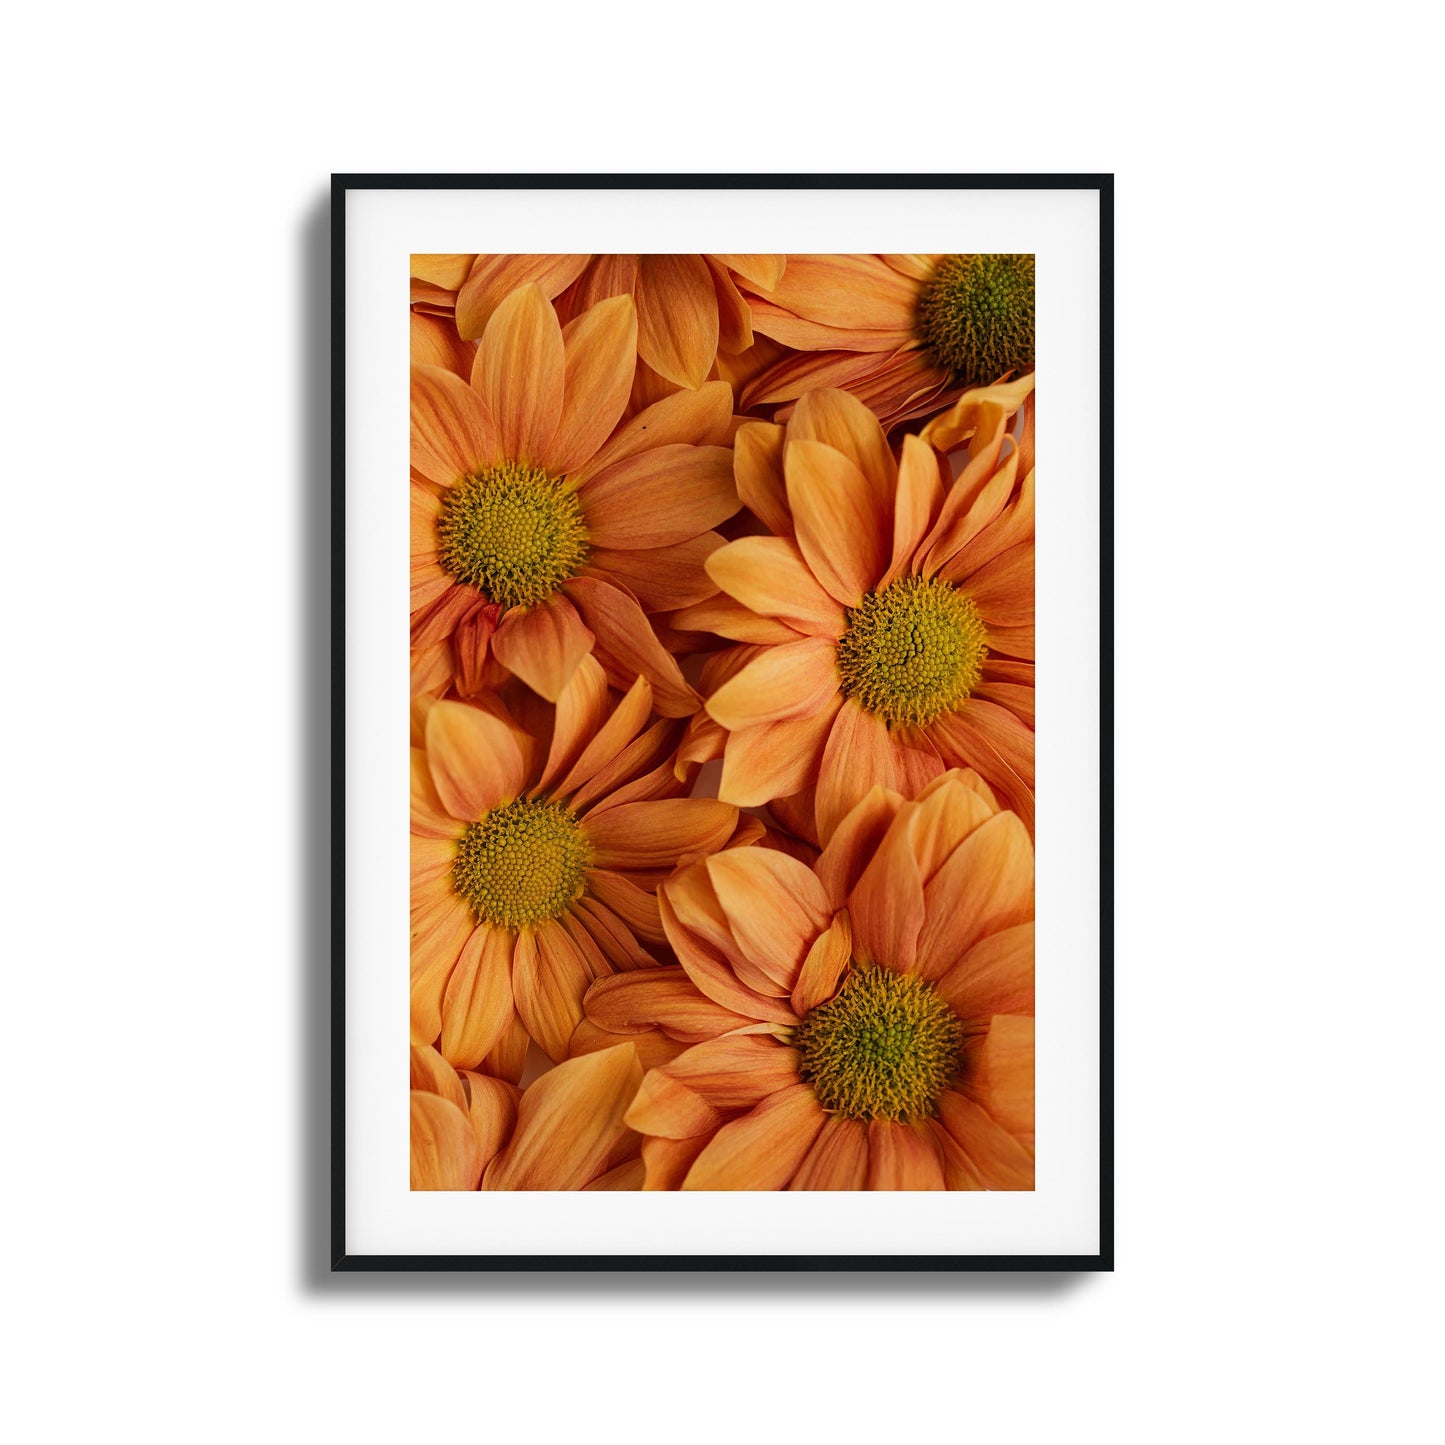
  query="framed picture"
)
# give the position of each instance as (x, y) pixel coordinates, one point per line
(745, 897)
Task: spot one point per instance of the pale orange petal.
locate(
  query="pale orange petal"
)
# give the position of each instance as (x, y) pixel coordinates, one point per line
(775, 759)
(769, 575)
(994, 742)
(474, 759)
(841, 531)
(995, 976)
(661, 578)
(986, 886)
(661, 998)
(774, 905)
(677, 320)
(668, 1160)
(444, 1152)
(543, 645)
(915, 505)
(887, 903)
(452, 432)
(549, 978)
(842, 422)
(568, 1122)
(999, 1073)
(794, 680)
(621, 726)
(698, 418)
(494, 278)
(493, 1112)
(436, 943)
(732, 620)
(477, 1005)
(758, 470)
(858, 290)
(519, 373)
(763, 270)
(711, 1083)
(709, 969)
(633, 905)
(580, 712)
(446, 270)
(431, 1074)
(625, 1176)
(853, 842)
(655, 834)
(902, 1156)
(999, 1159)
(626, 645)
(858, 757)
(659, 497)
(838, 1158)
(434, 342)
(429, 817)
(826, 961)
(764, 1148)
(601, 356)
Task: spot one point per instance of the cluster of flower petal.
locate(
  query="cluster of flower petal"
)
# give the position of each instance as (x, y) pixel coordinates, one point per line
(722, 678)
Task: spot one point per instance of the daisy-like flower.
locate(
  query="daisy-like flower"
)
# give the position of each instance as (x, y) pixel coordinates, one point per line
(904, 334)
(535, 860)
(888, 619)
(541, 529)
(688, 307)
(863, 1024)
(565, 1131)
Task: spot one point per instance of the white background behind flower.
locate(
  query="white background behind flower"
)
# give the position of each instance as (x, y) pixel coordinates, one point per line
(1279, 783)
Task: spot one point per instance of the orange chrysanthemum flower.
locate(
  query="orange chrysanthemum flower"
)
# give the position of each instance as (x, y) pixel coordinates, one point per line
(903, 334)
(535, 860)
(541, 530)
(863, 1024)
(564, 1131)
(889, 618)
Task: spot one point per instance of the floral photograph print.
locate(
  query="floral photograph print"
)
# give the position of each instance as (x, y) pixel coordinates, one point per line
(722, 722)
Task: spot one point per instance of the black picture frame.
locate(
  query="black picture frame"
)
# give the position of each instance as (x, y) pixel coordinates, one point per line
(341, 1258)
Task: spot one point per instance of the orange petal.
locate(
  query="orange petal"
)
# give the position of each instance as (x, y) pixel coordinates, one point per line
(661, 998)
(858, 756)
(543, 645)
(734, 621)
(915, 504)
(857, 291)
(549, 979)
(613, 938)
(655, 834)
(661, 578)
(1003, 589)
(769, 575)
(431, 1074)
(519, 372)
(794, 680)
(902, 1156)
(776, 759)
(677, 320)
(452, 432)
(633, 905)
(710, 971)
(774, 906)
(493, 1112)
(838, 1158)
(445, 270)
(758, 470)
(854, 841)
(829, 956)
(621, 726)
(444, 1153)
(994, 742)
(601, 356)
(434, 342)
(625, 1176)
(660, 497)
(494, 278)
(436, 943)
(474, 759)
(995, 976)
(842, 422)
(986, 885)
(626, 645)
(998, 1158)
(841, 530)
(477, 1006)
(887, 904)
(581, 710)
(429, 818)
(668, 1160)
(709, 1084)
(568, 1122)
(764, 1148)
(699, 418)
(999, 1073)
(764, 271)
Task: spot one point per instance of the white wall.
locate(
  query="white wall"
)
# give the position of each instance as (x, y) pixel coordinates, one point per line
(1278, 955)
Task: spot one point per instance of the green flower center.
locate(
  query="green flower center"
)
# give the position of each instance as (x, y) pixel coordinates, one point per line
(977, 316)
(885, 1048)
(912, 651)
(524, 863)
(512, 531)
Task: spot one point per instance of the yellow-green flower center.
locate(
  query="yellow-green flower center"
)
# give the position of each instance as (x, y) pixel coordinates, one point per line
(977, 316)
(912, 651)
(523, 863)
(884, 1048)
(512, 531)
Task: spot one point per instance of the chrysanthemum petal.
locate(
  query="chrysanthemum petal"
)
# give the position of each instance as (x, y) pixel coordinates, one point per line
(660, 497)
(826, 960)
(519, 373)
(444, 1153)
(995, 976)
(999, 1159)
(763, 270)
(902, 1156)
(474, 759)
(477, 1005)
(758, 471)
(776, 759)
(841, 531)
(601, 356)
(549, 979)
(842, 422)
(764, 1148)
(677, 321)
(915, 504)
(452, 431)
(655, 834)
(774, 905)
(793, 680)
(661, 578)
(698, 418)
(887, 904)
(710, 1083)
(858, 756)
(636, 907)
(626, 645)
(568, 1122)
(769, 575)
(543, 644)
(436, 944)
(493, 1112)
(494, 278)
(838, 1158)
(662, 998)
(710, 970)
